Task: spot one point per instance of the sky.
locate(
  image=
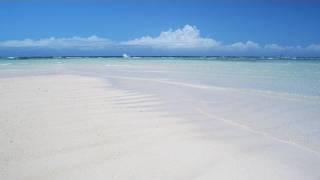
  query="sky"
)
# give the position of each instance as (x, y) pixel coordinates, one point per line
(176, 27)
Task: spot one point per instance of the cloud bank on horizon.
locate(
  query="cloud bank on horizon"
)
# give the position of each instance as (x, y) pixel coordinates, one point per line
(182, 41)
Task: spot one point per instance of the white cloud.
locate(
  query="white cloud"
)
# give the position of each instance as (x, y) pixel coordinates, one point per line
(240, 46)
(274, 47)
(314, 47)
(189, 38)
(59, 43)
(186, 38)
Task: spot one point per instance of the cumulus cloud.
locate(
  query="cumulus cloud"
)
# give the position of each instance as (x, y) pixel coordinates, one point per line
(187, 37)
(240, 46)
(183, 40)
(59, 43)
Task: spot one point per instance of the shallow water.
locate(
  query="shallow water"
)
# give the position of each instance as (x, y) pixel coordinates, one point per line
(276, 98)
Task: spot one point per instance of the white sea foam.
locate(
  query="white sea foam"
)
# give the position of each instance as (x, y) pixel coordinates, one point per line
(125, 56)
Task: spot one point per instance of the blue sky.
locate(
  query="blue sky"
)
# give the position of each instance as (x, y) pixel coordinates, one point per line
(160, 27)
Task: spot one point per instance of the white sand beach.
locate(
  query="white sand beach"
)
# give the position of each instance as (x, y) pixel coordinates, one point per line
(75, 127)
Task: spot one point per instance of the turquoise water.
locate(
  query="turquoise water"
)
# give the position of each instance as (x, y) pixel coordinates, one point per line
(293, 76)
(276, 97)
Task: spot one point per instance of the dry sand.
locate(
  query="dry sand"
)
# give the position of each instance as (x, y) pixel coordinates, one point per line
(73, 127)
